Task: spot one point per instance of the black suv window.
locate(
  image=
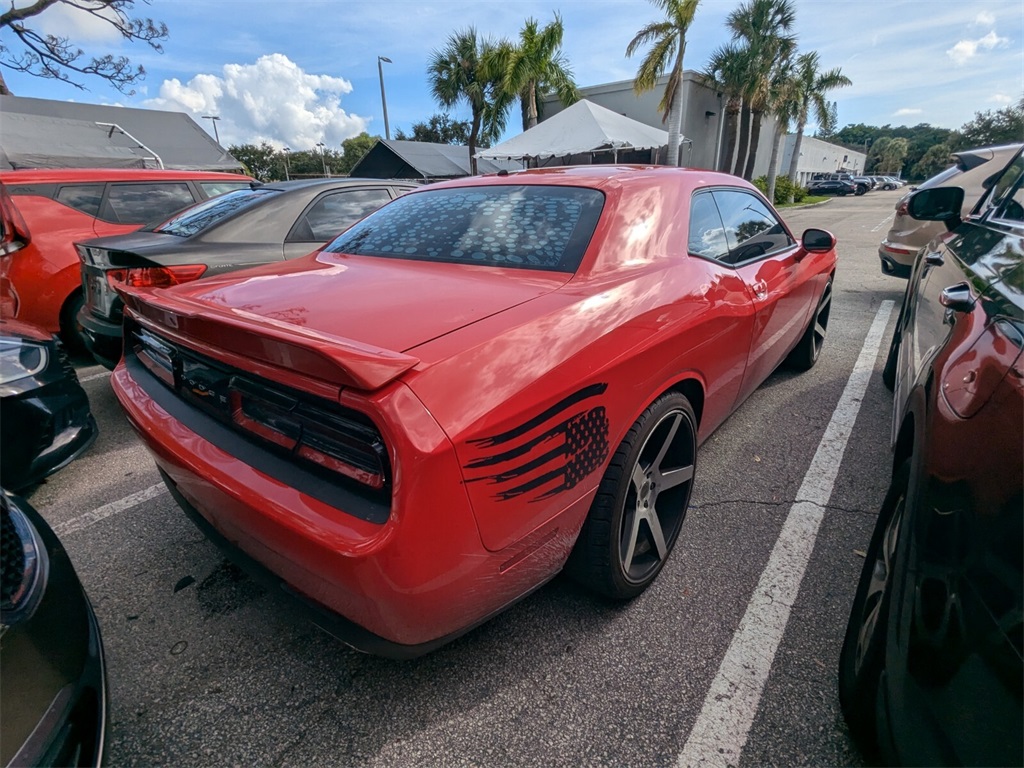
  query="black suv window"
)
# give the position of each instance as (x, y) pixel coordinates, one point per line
(82, 197)
(336, 212)
(142, 203)
(523, 226)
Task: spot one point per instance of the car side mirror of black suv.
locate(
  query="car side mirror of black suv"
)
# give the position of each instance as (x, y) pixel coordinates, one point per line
(937, 204)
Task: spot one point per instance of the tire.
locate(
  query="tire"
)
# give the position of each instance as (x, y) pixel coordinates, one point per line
(806, 352)
(862, 658)
(71, 332)
(641, 503)
(860, 190)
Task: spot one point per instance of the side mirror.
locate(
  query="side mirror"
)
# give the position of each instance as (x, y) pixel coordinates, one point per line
(937, 204)
(818, 241)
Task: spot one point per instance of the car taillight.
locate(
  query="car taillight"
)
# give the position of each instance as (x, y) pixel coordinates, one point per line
(902, 209)
(155, 277)
(14, 234)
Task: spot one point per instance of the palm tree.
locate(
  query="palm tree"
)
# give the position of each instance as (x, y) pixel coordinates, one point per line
(812, 87)
(467, 69)
(785, 104)
(536, 66)
(668, 39)
(727, 72)
(763, 26)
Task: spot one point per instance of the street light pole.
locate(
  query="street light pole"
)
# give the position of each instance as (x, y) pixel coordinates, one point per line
(287, 175)
(323, 158)
(213, 119)
(383, 98)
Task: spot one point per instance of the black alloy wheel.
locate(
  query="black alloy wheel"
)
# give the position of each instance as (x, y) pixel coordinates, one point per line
(805, 354)
(641, 503)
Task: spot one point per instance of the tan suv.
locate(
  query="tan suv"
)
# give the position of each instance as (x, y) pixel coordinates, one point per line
(972, 171)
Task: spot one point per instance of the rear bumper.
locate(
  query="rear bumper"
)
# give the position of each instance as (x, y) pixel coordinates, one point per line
(895, 263)
(398, 588)
(102, 337)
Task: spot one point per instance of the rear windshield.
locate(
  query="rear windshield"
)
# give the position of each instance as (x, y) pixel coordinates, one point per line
(521, 226)
(194, 220)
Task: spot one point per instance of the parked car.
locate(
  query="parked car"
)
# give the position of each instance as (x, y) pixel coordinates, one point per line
(930, 670)
(481, 382)
(43, 213)
(890, 182)
(972, 171)
(864, 184)
(248, 227)
(834, 187)
(45, 421)
(53, 702)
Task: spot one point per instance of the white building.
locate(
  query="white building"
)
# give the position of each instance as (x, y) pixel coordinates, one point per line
(703, 127)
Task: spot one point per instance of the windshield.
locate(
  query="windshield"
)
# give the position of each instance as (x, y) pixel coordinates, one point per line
(520, 226)
(193, 220)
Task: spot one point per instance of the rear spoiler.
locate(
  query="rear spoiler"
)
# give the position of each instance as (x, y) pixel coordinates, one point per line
(334, 359)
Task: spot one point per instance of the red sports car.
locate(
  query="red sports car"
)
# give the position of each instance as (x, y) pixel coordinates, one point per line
(484, 382)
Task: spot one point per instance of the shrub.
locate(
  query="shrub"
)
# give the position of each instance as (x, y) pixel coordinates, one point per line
(783, 188)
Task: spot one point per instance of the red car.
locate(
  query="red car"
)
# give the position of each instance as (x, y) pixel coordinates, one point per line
(43, 213)
(481, 383)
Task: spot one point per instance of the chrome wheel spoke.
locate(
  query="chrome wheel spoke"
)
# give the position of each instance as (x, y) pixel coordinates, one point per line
(634, 534)
(819, 330)
(668, 441)
(674, 477)
(657, 535)
(638, 478)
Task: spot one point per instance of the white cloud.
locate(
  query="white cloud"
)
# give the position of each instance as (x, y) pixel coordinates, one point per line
(984, 19)
(965, 50)
(907, 111)
(271, 100)
(62, 20)
(1001, 98)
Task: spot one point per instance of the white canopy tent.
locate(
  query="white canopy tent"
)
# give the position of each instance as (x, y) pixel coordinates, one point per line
(583, 128)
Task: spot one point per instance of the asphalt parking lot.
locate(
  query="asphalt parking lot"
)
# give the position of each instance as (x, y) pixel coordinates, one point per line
(206, 668)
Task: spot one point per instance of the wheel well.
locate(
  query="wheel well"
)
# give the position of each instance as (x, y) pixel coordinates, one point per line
(694, 392)
(904, 443)
(66, 307)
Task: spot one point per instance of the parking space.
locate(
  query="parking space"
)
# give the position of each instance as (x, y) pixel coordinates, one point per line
(206, 667)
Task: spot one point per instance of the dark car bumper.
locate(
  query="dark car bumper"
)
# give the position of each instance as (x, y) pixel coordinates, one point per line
(45, 422)
(103, 338)
(54, 698)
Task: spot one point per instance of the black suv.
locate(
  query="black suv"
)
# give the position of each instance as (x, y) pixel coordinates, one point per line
(931, 671)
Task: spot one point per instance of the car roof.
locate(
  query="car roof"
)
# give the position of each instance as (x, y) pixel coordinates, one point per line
(334, 182)
(599, 176)
(49, 175)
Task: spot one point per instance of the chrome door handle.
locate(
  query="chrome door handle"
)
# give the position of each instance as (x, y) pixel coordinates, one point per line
(957, 298)
(934, 259)
(761, 289)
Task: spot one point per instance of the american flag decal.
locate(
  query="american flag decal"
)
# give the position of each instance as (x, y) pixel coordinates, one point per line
(548, 454)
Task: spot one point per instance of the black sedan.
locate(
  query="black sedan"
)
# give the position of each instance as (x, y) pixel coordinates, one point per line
(45, 420)
(834, 187)
(931, 669)
(53, 701)
(245, 228)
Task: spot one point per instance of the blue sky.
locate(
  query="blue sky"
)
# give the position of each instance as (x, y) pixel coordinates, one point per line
(302, 71)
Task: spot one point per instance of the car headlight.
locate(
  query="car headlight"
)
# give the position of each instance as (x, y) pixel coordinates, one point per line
(25, 565)
(20, 359)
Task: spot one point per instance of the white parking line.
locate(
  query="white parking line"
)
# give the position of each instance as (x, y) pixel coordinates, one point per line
(883, 223)
(82, 522)
(93, 377)
(720, 733)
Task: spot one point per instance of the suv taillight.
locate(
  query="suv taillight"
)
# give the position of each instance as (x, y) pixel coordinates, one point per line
(902, 209)
(155, 277)
(14, 234)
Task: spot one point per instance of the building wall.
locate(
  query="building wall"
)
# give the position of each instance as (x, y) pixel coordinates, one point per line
(703, 112)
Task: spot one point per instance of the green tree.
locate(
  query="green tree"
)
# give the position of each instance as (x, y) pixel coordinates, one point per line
(727, 71)
(535, 66)
(887, 155)
(440, 129)
(263, 162)
(667, 39)
(810, 87)
(932, 162)
(467, 70)
(763, 27)
(353, 150)
(785, 106)
(51, 56)
(1001, 126)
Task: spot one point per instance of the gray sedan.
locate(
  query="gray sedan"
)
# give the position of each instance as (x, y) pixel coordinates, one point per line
(264, 224)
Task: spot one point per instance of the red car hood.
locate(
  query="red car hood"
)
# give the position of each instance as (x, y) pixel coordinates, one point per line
(348, 319)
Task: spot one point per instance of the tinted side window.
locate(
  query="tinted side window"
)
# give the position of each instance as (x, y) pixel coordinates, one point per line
(82, 197)
(707, 234)
(213, 211)
(142, 203)
(751, 229)
(214, 188)
(333, 214)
